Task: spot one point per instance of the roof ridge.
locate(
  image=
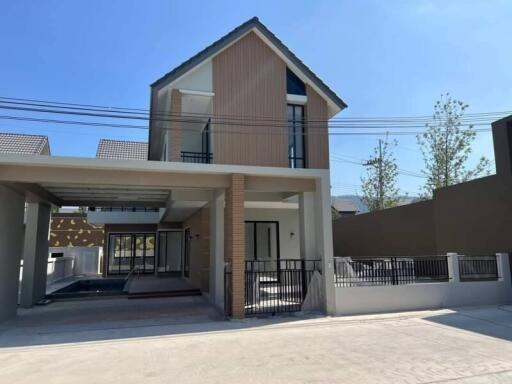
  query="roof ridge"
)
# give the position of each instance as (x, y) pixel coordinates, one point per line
(23, 134)
(234, 34)
(124, 141)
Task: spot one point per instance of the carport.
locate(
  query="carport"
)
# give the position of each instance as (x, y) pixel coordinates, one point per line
(41, 181)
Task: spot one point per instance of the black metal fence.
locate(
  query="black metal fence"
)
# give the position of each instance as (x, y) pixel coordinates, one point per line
(389, 270)
(274, 286)
(478, 268)
(196, 157)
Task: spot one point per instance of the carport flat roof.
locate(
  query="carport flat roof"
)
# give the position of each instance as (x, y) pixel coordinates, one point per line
(92, 181)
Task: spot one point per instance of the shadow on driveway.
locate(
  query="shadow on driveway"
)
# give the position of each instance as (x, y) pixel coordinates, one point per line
(120, 318)
(490, 321)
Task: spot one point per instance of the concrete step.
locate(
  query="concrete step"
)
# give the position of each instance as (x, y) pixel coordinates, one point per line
(155, 294)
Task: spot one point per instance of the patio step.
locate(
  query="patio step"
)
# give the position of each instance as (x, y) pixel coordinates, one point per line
(156, 294)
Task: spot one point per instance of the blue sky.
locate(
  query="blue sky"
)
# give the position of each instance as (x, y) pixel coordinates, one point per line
(384, 58)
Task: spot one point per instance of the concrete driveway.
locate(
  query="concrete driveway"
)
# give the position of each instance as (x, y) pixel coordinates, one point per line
(453, 346)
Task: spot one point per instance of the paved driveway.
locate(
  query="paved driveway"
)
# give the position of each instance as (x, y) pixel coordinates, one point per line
(464, 346)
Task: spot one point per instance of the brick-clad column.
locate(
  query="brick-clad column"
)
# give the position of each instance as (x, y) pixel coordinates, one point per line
(234, 247)
(176, 126)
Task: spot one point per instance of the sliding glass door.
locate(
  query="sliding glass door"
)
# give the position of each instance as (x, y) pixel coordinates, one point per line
(131, 251)
(170, 251)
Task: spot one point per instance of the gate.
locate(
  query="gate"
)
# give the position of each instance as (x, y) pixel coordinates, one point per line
(274, 286)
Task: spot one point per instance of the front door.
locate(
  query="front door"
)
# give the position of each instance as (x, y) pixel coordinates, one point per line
(262, 241)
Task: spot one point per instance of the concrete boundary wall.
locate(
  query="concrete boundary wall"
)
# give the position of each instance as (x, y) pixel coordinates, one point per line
(396, 298)
(472, 218)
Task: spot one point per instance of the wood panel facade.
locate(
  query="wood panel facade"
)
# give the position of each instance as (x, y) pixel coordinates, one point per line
(249, 80)
(317, 131)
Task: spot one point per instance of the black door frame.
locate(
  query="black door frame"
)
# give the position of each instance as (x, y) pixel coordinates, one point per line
(133, 236)
(256, 222)
(158, 249)
(186, 251)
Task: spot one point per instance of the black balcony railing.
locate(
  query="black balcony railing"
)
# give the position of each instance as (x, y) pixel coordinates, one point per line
(196, 157)
(390, 270)
(478, 268)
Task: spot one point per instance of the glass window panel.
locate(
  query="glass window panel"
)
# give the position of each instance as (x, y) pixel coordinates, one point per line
(249, 241)
(174, 251)
(139, 245)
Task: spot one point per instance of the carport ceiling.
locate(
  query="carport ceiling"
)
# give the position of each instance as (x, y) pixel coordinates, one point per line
(97, 195)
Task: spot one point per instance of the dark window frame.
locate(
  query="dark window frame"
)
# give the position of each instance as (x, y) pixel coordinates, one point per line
(187, 243)
(294, 85)
(116, 269)
(292, 160)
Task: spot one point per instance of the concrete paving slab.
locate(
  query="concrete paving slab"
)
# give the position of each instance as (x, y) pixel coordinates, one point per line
(473, 347)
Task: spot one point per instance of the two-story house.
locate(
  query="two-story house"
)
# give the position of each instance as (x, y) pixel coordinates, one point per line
(232, 190)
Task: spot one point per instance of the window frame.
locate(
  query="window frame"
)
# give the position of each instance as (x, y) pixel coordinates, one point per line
(294, 124)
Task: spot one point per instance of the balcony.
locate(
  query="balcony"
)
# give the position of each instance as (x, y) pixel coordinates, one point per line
(196, 157)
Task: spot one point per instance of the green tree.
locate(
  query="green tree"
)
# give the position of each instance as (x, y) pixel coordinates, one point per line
(379, 184)
(446, 147)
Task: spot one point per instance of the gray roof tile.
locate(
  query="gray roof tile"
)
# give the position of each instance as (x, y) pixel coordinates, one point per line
(124, 150)
(24, 144)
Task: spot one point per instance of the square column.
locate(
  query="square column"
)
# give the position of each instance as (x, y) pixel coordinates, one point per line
(217, 249)
(234, 246)
(35, 254)
(324, 243)
(307, 224)
(11, 245)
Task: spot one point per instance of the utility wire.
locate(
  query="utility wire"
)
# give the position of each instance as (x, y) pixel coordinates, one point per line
(309, 126)
(138, 113)
(226, 131)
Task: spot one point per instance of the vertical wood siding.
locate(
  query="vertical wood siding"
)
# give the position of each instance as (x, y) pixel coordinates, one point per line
(249, 80)
(317, 137)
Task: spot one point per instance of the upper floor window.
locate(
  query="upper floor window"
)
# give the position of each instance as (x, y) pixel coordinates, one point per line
(296, 136)
(294, 85)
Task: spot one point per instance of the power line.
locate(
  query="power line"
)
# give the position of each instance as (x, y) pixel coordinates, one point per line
(184, 119)
(131, 126)
(401, 171)
(138, 113)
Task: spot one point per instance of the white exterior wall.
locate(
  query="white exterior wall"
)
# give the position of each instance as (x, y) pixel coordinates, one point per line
(59, 268)
(289, 245)
(199, 79)
(409, 297)
(86, 260)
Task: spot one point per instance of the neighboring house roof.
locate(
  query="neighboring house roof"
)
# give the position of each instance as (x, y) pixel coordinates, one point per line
(124, 150)
(24, 144)
(352, 203)
(348, 204)
(234, 35)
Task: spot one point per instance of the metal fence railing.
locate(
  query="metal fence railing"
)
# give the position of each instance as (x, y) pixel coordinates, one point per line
(478, 268)
(273, 286)
(196, 157)
(350, 272)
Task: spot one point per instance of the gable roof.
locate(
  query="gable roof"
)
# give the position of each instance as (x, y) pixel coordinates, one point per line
(23, 144)
(122, 150)
(234, 35)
